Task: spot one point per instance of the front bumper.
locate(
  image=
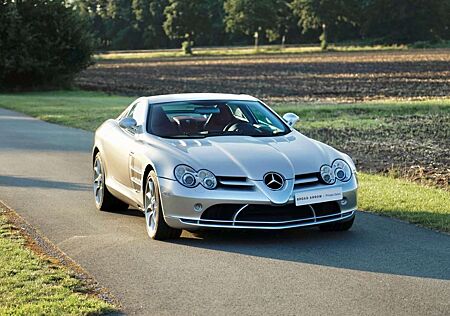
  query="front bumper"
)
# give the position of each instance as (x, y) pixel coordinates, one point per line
(179, 209)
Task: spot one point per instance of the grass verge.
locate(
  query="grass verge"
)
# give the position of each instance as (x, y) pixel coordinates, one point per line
(80, 109)
(426, 206)
(87, 110)
(32, 284)
(419, 204)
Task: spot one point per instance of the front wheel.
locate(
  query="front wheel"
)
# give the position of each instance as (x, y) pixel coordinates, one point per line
(104, 200)
(154, 219)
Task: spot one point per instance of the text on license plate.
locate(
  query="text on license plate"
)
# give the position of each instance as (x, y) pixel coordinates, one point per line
(318, 196)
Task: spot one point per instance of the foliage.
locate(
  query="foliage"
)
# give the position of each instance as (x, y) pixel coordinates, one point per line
(42, 42)
(186, 47)
(138, 24)
(150, 17)
(341, 18)
(186, 19)
(248, 17)
(407, 21)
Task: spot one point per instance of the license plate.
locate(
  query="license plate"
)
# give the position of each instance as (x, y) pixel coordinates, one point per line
(318, 196)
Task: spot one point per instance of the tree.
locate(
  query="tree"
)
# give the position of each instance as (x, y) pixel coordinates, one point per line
(216, 35)
(406, 21)
(340, 19)
(187, 19)
(149, 18)
(42, 42)
(262, 16)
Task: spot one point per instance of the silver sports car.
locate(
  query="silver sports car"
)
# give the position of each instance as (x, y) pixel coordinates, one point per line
(192, 161)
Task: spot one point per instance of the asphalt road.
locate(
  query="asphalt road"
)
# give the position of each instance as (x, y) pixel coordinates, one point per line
(380, 267)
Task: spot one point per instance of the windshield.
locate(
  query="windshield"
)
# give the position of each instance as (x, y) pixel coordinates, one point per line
(191, 119)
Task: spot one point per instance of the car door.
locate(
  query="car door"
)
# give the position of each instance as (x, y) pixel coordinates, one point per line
(137, 148)
(117, 151)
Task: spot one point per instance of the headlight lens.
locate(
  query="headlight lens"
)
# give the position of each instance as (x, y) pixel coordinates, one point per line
(186, 176)
(327, 174)
(190, 178)
(207, 179)
(342, 170)
(339, 170)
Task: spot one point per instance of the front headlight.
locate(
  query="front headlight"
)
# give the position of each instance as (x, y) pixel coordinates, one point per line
(327, 174)
(342, 170)
(339, 170)
(190, 178)
(207, 179)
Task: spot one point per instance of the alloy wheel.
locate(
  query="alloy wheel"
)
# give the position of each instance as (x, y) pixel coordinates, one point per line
(98, 184)
(151, 207)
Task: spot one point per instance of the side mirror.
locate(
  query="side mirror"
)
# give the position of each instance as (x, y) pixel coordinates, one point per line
(128, 123)
(291, 119)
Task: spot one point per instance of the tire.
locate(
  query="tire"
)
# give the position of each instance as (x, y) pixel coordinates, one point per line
(104, 200)
(337, 226)
(157, 227)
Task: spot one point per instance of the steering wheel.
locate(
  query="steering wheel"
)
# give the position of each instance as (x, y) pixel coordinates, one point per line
(228, 126)
(241, 127)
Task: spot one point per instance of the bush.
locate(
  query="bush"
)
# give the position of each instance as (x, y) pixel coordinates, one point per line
(431, 44)
(42, 43)
(186, 47)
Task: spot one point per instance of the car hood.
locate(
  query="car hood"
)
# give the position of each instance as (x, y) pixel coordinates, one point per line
(252, 157)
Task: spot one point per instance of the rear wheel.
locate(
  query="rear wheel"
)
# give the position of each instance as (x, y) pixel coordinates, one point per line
(154, 219)
(104, 200)
(337, 226)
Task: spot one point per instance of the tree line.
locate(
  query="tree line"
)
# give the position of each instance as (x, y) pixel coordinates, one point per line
(149, 24)
(46, 42)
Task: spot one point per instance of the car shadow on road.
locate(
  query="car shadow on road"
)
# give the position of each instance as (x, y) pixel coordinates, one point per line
(26, 182)
(374, 244)
(129, 212)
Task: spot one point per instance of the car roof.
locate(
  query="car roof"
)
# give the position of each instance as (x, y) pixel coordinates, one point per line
(199, 97)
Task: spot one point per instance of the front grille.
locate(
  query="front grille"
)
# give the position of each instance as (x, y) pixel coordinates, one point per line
(222, 212)
(254, 215)
(268, 213)
(301, 181)
(237, 183)
(326, 208)
(306, 180)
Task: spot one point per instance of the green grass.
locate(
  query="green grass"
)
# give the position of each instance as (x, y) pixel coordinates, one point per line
(429, 207)
(32, 285)
(87, 110)
(393, 197)
(239, 51)
(81, 109)
(363, 115)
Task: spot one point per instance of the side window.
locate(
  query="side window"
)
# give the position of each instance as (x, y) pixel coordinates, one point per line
(261, 117)
(131, 112)
(139, 112)
(127, 111)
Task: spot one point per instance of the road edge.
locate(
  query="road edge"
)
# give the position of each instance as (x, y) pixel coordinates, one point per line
(43, 247)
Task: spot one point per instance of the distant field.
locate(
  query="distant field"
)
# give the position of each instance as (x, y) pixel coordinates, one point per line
(287, 77)
(239, 51)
